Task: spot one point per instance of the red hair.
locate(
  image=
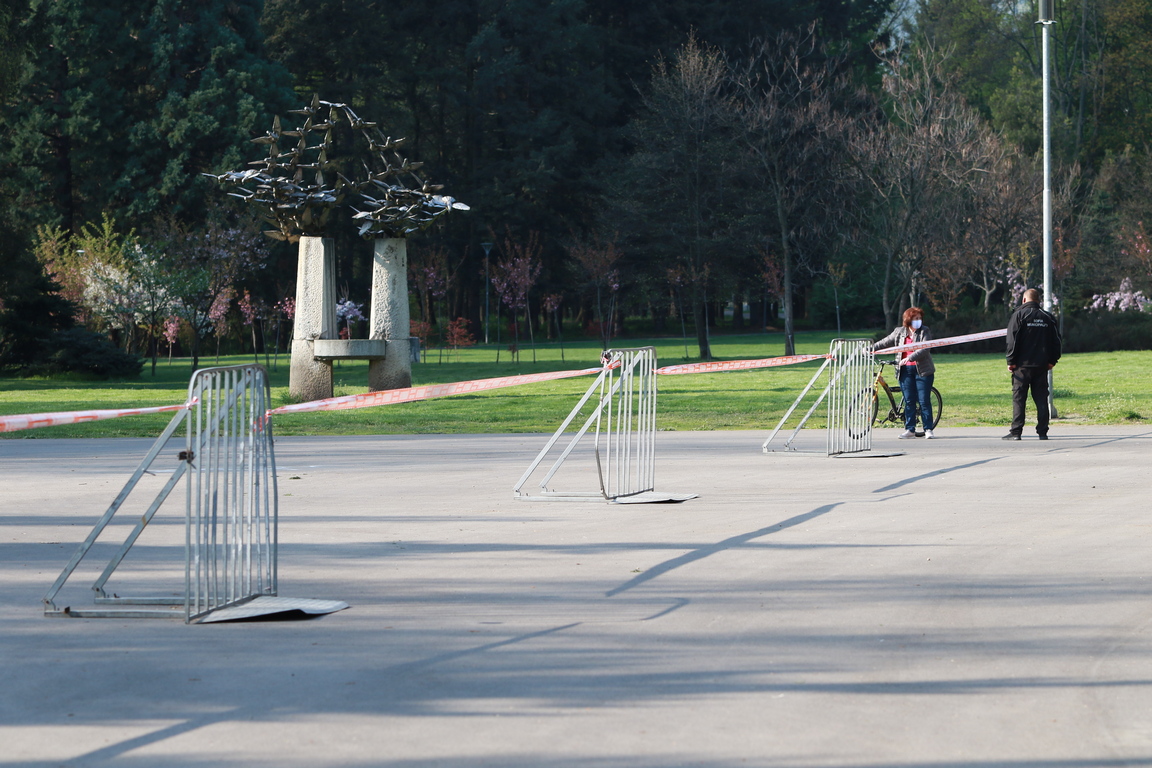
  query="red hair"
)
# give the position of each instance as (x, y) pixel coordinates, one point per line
(911, 314)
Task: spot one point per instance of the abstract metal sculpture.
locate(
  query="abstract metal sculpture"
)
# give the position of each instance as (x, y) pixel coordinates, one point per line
(300, 212)
(295, 207)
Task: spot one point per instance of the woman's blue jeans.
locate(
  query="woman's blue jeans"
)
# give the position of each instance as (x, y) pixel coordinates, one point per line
(917, 391)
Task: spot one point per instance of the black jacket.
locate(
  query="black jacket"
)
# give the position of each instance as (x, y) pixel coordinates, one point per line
(1033, 338)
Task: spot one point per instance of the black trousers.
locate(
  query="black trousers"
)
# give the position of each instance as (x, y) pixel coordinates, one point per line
(1034, 379)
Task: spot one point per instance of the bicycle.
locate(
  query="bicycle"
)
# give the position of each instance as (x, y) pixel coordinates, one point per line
(868, 404)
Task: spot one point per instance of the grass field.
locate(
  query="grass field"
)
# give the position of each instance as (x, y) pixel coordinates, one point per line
(1093, 388)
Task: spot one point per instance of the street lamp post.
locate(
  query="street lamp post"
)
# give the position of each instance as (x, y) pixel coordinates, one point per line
(1046, 21)
(487, 285)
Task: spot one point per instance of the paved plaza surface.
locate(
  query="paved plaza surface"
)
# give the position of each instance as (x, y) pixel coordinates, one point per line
(972, 602)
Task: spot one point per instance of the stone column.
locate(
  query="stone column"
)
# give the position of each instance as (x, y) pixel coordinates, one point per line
(389, 319)
(311, 379)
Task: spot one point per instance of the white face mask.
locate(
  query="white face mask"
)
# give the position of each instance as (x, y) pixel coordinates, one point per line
(916, 324)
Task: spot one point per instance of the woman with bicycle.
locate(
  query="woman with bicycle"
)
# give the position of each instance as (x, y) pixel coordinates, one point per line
(917, 371)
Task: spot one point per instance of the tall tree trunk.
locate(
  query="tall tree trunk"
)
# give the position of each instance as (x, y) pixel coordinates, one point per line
(886, 293)
(700, 317)
(786, 252)
(531, 334)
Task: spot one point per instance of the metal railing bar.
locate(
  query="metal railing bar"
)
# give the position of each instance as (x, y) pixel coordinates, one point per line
(114, 563)
(556, 435)
(143, 467)
(795, 404)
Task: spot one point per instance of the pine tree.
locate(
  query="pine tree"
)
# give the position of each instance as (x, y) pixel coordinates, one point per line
(122, 104)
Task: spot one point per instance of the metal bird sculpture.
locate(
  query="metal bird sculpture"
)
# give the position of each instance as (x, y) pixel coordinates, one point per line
(294, 207)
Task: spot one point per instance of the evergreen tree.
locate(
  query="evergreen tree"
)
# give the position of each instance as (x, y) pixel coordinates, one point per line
(13, 48)
(521, 107)
(31, 309)
(121, 105)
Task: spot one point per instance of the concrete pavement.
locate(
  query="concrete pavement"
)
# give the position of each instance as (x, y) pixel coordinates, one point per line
(972, 602)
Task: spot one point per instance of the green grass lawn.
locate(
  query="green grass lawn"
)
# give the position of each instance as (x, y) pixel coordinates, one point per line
(1093, 388)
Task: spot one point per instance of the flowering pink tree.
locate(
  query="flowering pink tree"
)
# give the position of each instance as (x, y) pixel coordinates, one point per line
(1136, 245)
(429, 277)
(773, 279)
(285, 309)
(598, 260)
(552, 309)
(421, 330)
(171, 332)
(514, 274)
(459, 335)
(218, 316)
(252, 311)
(206, 264)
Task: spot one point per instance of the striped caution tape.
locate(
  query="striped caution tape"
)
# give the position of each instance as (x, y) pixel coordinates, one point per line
(746, 365)
(412, 394)
(427, 392)
(18, 422)
(736, 365)
(945, 342)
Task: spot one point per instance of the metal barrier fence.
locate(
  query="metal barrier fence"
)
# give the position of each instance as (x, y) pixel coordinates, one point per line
(849, 427)
(231, 523)
(230, 512)
(850, 397)
(625, 439)
(629, 441)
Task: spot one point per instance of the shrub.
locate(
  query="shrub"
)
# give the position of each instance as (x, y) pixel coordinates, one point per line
(969, 318)
(78, 350)
(1108, 331)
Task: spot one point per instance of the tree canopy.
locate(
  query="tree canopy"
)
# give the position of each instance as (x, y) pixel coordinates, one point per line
(664, 159)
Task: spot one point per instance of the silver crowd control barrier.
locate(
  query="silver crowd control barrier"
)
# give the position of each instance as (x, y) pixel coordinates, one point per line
(850, 397)
(230, 511)
(848, 394)
(624, 447)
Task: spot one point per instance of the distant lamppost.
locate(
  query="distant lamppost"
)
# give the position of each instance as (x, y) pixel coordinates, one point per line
(1046, 21)
(487, 247)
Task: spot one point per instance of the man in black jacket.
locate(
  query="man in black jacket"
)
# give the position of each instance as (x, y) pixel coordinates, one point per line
(1033, 349)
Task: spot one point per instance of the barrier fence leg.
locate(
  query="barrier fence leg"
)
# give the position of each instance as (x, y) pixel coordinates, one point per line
(230, 537)
(849, 366)
(624, 442)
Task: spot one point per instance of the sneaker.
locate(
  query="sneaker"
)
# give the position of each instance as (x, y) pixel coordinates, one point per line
(1011, 436)
(1042, 437)
(928, 434)
(907, 435)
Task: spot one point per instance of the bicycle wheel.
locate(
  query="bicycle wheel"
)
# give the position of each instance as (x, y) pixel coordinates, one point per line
(862, 413)
(937, 407)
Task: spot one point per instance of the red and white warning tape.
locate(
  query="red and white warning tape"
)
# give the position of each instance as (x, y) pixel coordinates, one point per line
(32, 420)
(427, 392)
(736, 365)
(945, 342)
(746, 365)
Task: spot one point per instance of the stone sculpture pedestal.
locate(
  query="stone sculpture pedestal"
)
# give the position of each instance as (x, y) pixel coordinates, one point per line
(389, 318)
(311, 379)
(315, 342)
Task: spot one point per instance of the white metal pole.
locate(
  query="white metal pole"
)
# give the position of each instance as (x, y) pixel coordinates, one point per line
(1047, 175)
(1046, 21)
